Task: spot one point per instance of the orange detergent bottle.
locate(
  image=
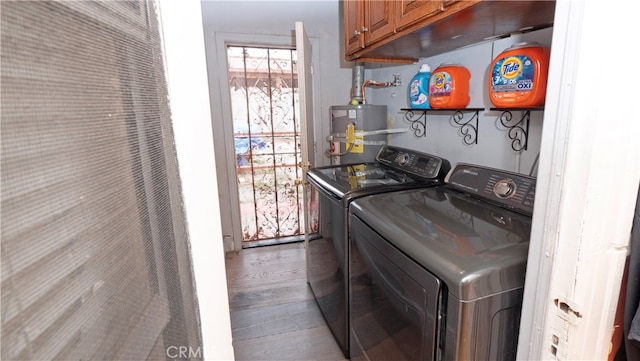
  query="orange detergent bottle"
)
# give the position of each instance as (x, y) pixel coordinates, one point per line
(518, 77)
(449, 87)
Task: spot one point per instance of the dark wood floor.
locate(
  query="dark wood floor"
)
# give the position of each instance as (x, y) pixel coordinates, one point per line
(273, 313)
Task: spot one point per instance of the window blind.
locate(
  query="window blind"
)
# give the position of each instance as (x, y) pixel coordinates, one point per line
(95, 259)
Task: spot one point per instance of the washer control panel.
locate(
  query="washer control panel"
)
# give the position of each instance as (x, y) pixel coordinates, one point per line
(403, 158)
(505, 188)
(508, 189)
(413, 163)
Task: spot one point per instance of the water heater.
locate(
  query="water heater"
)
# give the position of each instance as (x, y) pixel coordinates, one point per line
(357, 133)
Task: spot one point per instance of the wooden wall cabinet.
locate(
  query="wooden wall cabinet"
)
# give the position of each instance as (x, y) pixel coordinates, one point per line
(366, 22)
(353, 23)
(408, 12)
(401, 31)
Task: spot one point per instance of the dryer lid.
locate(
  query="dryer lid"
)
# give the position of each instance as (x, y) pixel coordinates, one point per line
(477, 248)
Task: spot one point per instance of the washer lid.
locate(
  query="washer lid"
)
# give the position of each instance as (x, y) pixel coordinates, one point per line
(477, 249)
(396, 168)
(350, 181)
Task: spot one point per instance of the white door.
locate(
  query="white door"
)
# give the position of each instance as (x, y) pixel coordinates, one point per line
(305, 90)
(305, 95)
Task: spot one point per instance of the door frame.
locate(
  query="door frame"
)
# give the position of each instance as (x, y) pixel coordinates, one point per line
(587, 185)
(223, 130)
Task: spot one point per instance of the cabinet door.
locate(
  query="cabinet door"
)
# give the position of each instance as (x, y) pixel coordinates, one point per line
(378, 20)
(353, 23)
(411, 11)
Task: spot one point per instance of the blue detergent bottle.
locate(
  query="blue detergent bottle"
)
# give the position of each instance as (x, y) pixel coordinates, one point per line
(419, 89)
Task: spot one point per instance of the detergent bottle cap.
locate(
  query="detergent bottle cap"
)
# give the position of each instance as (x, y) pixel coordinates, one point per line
(523, 44)
(425, 68)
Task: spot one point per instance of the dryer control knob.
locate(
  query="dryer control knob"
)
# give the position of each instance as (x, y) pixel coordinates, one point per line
(504, 188)
(402, 159)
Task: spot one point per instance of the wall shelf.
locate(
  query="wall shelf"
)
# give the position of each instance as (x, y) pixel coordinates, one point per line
(467, 128)
(518, 131)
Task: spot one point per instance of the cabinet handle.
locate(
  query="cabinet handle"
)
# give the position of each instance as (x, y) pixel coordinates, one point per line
(364, 30)
(356, 32)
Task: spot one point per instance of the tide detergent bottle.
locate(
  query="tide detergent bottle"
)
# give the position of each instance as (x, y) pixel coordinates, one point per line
(419, 88)
(518, 76)
(449, 87)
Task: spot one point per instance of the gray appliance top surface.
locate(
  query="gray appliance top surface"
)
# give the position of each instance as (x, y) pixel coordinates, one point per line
(395, 168)
(477, 248)
(348, 182)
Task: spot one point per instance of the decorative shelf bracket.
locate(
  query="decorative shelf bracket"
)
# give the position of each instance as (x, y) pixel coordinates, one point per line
(418, 121)
(518, 131)
(468, 130)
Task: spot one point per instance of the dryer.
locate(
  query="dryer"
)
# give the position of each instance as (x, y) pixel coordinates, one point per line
(438, 273)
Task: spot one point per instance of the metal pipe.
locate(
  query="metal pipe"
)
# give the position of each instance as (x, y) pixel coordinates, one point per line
(357, 79)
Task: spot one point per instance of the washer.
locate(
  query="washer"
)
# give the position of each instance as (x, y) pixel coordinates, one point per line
(333, 190)
(438, 273)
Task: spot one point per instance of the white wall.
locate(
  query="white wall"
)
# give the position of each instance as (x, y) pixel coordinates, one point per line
(493, 148)
(266, 23)
(191, 118)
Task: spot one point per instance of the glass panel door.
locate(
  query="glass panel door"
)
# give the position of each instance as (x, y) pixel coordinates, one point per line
(264, 99)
